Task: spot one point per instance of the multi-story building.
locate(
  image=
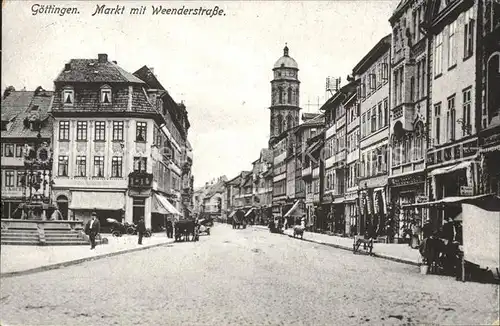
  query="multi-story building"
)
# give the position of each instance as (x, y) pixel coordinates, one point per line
(351, 200)
(175, 146)
(279, 173)
(455, 112)
(312, 174)
(489, 136)
(372, 75)
(312, 124)
(117, 143)
(25, 121)
(213, 201)
(335, 156)
(239, 193)
(262, 186)
(409, 71)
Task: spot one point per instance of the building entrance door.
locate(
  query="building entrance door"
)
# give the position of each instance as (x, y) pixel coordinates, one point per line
(138, 209)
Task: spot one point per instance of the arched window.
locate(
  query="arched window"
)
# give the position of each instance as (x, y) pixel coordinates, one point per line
(279, 123)
(280, 95)
(62, 205)
(289, 95)
(289, 121)
(419, 140)
(284, 125)
(297, 120)
(272, 125)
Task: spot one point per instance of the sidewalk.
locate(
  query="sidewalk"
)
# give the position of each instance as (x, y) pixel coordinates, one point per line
(397, 252)
(18, 260)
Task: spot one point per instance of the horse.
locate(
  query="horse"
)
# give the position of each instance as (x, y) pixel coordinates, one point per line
(184, 228)
(298, 230)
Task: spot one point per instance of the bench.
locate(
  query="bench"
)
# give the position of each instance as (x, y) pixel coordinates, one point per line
(367, 244)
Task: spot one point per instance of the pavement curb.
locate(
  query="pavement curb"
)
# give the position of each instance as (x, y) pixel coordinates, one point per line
(79, 261)
(383, 256)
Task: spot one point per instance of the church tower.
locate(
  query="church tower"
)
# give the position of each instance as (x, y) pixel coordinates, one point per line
(284, 108)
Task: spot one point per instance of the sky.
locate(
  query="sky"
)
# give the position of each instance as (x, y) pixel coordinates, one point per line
(220, 66)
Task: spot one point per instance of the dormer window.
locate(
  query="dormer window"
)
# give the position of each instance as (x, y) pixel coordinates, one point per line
(106, 94)
(68, 96)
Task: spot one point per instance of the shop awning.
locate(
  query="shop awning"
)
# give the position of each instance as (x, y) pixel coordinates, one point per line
(166, 205)
(249, 211)
(451, 168)
(97, 200)
(293, 210)
(157, 207)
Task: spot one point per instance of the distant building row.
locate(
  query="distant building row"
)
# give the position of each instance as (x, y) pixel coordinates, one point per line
(417, 125)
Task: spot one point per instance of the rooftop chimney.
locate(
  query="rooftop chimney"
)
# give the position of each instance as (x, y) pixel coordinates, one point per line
(102, 57)
(67, 67)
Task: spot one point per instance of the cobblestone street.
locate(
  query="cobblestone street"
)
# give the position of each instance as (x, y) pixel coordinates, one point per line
(243, 277)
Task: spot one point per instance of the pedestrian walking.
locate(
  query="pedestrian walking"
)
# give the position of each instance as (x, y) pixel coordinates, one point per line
(141, 228)
(92, 229)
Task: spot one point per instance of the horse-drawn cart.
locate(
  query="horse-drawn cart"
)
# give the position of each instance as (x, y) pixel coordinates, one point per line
(239, 219)
(186, 230)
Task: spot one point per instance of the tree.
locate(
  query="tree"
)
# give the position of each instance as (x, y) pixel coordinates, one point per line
(8, 90)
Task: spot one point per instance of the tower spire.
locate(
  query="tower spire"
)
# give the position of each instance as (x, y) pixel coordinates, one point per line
(285, 50)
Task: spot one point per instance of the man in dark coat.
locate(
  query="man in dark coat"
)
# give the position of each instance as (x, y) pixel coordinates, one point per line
(170, 229)
(448, 231)
(141, 228)
(93, 228)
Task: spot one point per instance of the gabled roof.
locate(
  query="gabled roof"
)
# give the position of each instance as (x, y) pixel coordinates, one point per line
(317, 121)
(342, 95)
(383, 45)
(19, 105)
(148, 76)
(93, 71)
(307, 116)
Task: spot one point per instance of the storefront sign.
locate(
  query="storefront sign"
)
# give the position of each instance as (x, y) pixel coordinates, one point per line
(452, 152)
(407, 180)
(375, 182)
(422, 199)
(466, 191)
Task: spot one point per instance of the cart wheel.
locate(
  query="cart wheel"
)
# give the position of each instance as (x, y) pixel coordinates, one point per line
(116, 233)
(147, 234)
(130, 231)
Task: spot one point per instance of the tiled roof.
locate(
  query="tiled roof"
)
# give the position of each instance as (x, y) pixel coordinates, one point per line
(148, 76)
(307, 116)
(93, 71)
(316, 121)
(14, 103)
(18, 105)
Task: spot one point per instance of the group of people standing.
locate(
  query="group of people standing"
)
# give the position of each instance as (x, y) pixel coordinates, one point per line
(441, 246)
(93, 228)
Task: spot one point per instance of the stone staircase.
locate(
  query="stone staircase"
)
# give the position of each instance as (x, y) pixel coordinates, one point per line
(43, 233)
